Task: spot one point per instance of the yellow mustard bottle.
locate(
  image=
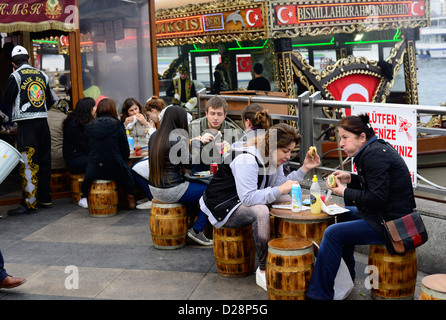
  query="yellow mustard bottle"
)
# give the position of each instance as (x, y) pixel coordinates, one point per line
(315, 196)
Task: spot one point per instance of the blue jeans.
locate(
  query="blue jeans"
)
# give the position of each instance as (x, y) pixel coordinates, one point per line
(190, 200)
(142, 183)
(338, 242)
(3, 273)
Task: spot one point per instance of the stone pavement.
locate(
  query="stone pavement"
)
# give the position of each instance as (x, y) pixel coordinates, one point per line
(114, 258)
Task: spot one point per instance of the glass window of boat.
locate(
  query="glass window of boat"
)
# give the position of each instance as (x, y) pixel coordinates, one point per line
(202, 68)
(115, 49)
(324, 58)
(370, 51)
(165, 55)
(399, 84)
(51, 54)
(304, 53)
(243, 77)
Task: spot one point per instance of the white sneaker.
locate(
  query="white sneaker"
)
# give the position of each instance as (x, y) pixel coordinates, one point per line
(261, 279)
(83, 203)
(142, 200)
(145, 205)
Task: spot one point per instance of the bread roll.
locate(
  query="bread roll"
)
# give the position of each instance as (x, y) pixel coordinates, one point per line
(312, 151)
(331, 181)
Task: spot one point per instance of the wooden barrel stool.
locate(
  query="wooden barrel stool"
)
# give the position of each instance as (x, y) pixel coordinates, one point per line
(433, 287)
(76, 182)
(60, 180)
(234, 251)
(289, 267)
(168, 225)
(397, 275)
(102, 199)
(308, 228)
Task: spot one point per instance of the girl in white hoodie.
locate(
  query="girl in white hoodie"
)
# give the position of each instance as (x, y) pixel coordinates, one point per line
(240, 192)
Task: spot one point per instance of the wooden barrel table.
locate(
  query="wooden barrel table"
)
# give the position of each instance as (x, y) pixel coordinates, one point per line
(234, 251)
(289, 267)
(301, 225)
(433, 287)
(76, 183)
(168, 225)
(102, 199)
(397, 275)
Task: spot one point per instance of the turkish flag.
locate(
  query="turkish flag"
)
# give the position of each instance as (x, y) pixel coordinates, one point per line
(286, 15)
(254, 18)
(418, 8)
(244, 64)
(354, 87)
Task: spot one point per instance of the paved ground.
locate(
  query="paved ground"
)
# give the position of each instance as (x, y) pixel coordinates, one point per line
(114, 258)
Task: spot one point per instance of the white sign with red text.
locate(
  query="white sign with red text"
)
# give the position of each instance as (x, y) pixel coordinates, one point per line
(399, 128)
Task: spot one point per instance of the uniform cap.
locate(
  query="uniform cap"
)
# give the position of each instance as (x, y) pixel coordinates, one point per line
(18, 50)
(184, 69)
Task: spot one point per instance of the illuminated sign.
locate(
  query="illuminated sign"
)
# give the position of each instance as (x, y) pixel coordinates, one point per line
(305, 13)
(209, 20)
(213, 22)
(179, 26)
(345, 11)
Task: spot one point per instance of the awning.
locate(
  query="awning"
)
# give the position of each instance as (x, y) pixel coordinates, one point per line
(38, 15)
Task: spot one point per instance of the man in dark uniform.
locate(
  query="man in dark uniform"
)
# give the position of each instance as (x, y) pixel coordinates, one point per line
(28, 93)
(222, 76)
(182, 90)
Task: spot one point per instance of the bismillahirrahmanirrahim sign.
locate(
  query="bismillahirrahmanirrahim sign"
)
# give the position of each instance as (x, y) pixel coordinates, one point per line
(298, 17)
(398, 126)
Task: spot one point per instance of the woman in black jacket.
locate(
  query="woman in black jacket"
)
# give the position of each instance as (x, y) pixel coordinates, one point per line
(382, 188)
(74, 142)
(108, 150)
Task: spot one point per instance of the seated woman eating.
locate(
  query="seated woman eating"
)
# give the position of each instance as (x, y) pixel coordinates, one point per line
(169, 157)
(135, 121)
(381, 189)
(240, 192)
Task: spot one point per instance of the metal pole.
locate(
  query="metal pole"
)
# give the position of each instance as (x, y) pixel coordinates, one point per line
(302, 125)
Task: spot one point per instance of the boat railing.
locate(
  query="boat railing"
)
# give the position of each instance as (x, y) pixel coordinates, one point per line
(311, 119)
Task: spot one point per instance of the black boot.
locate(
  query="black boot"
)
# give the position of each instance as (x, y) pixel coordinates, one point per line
(21, 210)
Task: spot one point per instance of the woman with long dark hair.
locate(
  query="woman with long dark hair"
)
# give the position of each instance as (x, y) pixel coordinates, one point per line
(74, 143)
(135, 121)
(169, 158)
(108, 150)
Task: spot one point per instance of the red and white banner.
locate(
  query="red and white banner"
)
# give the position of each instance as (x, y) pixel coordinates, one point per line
(354, 87)
(398, 127)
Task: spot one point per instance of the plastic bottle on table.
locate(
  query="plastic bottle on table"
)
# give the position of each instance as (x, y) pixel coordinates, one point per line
(296, 198)
(130, 140)
(315, 196)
